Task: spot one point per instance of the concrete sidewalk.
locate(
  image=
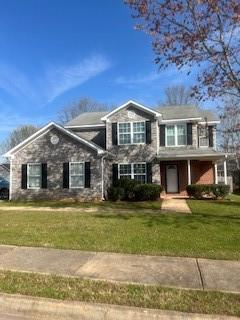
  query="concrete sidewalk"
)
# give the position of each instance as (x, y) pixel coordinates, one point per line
(24, 308)
(176, 272)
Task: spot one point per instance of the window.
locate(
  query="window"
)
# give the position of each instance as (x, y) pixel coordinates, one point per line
(34, 175)
(131, 132)
(203, 137)
(76, 174)
(138, 132)
(176, 135)
(136, 171)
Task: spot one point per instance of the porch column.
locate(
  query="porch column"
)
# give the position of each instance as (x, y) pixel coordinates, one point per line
(189, 171)
(215, 173)
(225, 171)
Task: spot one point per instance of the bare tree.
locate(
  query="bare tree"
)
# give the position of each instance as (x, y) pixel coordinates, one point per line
(179, 95)
(17, 136)
(71, 111)
(230, 128)
(203, 34)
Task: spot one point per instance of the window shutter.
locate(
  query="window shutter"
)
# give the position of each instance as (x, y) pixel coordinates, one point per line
(87, 175)
(189, 134)
(44, 175)
(162, 135)
(148, 132)
(114, 174)
(114, 134)
(210, 134)
(66, 175)
(24, 176)
(149, 172)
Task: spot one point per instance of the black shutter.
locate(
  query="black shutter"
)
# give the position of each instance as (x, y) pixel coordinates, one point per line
(114, 134)
(87, 175)
(24, 177)
(162, 135)
(66, 175)
(148, 132)
(44, 175)
(210, 135)
(114, 174)
(189, 134)
(149, 172)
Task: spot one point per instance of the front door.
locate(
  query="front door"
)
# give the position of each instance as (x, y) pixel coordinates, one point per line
(172, 178)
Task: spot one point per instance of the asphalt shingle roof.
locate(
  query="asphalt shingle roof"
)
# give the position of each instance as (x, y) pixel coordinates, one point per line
(168, 113)
(87, 118)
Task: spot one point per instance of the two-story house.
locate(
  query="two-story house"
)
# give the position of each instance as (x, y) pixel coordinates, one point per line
(173, 146)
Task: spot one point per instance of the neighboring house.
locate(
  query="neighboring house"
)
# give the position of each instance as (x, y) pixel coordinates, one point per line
(173, 146)
(5, 170)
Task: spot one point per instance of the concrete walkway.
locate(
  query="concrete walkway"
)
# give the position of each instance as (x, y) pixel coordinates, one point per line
(176, 272)
(175, 205)
(30, 308)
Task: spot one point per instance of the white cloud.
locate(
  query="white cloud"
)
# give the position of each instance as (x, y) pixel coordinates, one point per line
(138, 79)
(62, 78)
(54, 81)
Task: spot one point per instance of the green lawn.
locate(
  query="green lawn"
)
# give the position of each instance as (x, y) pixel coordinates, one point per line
(212, 231)
(121, 294)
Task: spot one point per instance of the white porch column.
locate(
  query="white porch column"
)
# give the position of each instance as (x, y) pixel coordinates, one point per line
(225, 171)
(215, 173)
(189, 171)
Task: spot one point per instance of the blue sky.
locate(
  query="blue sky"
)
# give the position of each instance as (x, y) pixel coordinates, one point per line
(54, 52)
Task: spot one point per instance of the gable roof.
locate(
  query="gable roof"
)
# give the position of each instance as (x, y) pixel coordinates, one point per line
(87, 119)
(135, 104)
(5, 166)
(187, 112)
(46, 129)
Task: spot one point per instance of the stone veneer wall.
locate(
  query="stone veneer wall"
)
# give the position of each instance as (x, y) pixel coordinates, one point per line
(98, 136)
(132, 153)
(67, 150)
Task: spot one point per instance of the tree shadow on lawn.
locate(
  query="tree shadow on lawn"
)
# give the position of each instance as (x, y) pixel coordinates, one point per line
(177, 220)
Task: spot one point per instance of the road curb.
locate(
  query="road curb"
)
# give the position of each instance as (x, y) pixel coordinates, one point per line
(43, 308)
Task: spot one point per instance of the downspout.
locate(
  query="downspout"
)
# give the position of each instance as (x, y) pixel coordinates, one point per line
(102, 165)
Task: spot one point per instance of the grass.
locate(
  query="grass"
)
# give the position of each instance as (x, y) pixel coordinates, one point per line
(156, 297)
(212, 231)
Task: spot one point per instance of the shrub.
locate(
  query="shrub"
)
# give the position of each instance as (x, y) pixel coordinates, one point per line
(115, 193)
(128, 186)
(201, 191)
(132, 190)
(147, 192)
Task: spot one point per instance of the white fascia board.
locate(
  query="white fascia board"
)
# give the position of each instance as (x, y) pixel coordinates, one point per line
(46, 129)
(193, 156)
(100, 125)
(180, 120)
(134, 103)
(210, 122)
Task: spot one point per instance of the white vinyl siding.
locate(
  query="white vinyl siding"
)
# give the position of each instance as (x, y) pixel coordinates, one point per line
(131, 132)
(34, 175)
(76, 175)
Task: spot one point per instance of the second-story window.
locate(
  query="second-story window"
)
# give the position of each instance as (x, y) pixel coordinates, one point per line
(131, 132)
(203, 137)
(176, 135)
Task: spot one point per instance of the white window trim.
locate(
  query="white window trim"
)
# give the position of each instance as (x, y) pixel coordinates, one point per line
(175, 135)
(29, 164)
(132, 174)
(199, 136)
(131, 133)
(70, 177)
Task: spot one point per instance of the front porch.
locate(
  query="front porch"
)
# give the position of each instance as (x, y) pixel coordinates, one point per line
(188, 167)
